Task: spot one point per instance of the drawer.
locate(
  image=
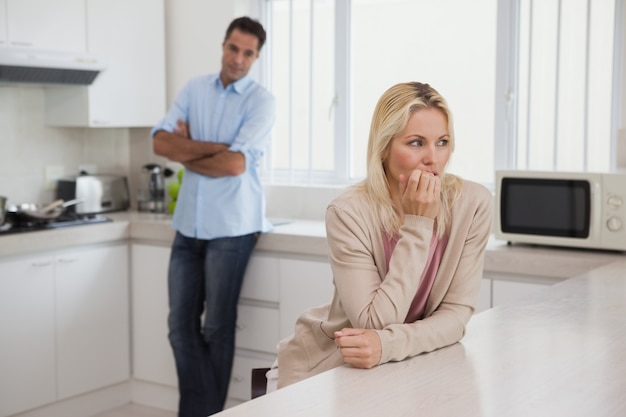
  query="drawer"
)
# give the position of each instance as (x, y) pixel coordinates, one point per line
(261, 279)
(241, 379)
(257, 328)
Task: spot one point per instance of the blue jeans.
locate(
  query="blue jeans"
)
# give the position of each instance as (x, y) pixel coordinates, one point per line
(205, 276)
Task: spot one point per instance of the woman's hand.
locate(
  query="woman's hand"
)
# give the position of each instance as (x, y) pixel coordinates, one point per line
(419, 193)
(360, 348)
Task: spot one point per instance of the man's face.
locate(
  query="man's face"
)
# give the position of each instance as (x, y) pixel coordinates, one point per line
(239, 51)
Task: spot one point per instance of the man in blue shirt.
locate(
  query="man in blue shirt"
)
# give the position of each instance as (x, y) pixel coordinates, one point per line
(218, 127)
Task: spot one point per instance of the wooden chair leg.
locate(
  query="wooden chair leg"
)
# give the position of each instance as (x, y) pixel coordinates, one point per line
(259, 382)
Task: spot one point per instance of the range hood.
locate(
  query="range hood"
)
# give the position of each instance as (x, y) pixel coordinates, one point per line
(48, 67)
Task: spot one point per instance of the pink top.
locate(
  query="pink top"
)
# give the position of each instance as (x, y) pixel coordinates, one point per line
(437, 248)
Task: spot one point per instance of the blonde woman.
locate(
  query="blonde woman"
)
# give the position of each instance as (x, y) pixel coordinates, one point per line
(406, 247)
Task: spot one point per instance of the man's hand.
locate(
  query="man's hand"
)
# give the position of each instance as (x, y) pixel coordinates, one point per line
(360, 348)
(182, 129)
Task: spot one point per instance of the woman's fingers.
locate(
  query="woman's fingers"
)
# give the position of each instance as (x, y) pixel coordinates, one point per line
(420, 194)
(359, 347)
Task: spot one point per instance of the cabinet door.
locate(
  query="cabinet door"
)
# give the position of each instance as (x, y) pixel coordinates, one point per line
(3, 23)
(46, 25)
(257, 328)
(261, 279)
(303, 284)
(131, 91)
(92, 319)
(153, 359)
(129, 35)
(27, 374)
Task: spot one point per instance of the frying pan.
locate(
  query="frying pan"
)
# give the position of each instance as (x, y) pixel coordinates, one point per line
(36, 212)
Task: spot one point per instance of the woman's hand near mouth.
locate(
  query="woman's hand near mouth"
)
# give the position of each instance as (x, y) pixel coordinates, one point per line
(419, 193)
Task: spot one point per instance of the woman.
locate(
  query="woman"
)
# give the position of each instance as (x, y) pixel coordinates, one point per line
(406, 247)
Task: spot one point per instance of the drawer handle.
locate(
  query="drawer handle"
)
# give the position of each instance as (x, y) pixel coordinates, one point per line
(67, 260)
(238, 379)
(240, 327)
(42, 263)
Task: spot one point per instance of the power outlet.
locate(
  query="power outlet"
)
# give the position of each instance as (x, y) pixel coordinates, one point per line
(51, 174)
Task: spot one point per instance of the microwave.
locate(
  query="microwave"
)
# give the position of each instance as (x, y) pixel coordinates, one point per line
(570, 209)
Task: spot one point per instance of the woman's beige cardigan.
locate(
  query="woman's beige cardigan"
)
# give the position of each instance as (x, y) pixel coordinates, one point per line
(367, 295)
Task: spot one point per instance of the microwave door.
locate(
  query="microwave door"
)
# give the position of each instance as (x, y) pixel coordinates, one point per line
(546, 207)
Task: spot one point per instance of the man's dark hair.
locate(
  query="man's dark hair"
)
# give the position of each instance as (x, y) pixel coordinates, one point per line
(247, 25)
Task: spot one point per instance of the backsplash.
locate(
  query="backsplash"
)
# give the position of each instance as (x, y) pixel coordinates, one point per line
(28, 147)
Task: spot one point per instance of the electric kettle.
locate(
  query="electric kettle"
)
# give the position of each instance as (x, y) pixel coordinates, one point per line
(151, 194)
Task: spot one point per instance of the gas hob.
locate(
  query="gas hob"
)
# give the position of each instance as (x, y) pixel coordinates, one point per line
(65, 220)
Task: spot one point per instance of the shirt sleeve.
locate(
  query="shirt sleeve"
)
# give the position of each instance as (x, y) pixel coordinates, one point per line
(178, 111)
(255, 132)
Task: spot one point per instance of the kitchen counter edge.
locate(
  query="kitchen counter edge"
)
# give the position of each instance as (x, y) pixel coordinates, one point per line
(302, 238)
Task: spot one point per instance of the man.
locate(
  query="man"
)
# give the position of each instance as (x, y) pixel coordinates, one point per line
(218, 128)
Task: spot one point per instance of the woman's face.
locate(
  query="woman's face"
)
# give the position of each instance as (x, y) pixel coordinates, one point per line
(423, 144)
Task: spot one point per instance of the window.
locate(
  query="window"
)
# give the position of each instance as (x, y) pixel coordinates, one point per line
(565, 84)
(530, 83)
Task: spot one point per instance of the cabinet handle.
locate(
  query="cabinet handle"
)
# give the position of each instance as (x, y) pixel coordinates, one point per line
(67, 260)
(21, 43)
(238, 379)
(240, 327)
(100, 122)
(41, 263)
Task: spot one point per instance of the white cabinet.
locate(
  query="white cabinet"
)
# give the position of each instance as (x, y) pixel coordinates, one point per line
(153, 360)
(92, 319)
(303, 284)
(45, 25)
(275, 291)
(27, 341)
(3, 23)
(129, 35)
(64, 323)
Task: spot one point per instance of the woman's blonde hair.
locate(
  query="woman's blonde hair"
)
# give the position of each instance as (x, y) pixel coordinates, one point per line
(391, 115)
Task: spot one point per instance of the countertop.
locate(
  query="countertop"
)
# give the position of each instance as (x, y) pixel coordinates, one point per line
(559, 352)
(300, 238)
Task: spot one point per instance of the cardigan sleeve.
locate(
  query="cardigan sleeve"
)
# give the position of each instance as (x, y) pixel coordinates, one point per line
(446, 324)
(369, 300)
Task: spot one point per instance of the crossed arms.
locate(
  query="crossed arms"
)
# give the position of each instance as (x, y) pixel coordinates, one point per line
(207, 158)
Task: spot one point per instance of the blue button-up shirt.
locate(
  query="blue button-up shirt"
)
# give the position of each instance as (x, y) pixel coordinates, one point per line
(240, 115)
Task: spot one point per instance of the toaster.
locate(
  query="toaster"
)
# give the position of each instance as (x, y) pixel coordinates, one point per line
(98, 193)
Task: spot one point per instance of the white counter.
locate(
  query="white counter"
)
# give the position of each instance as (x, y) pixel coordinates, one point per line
(302, 237)
(559, 353)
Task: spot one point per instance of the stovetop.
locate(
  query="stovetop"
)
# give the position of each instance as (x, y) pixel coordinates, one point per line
(65, 220)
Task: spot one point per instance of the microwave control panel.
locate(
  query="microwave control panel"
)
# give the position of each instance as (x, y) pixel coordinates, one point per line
(614, 210)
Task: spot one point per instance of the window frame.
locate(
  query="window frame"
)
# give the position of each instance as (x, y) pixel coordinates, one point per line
(505, 101)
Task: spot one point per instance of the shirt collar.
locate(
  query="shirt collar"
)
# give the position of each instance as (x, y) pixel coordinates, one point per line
(238, 86)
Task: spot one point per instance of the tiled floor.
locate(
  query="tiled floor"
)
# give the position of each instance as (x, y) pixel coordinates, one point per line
(135, 410)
